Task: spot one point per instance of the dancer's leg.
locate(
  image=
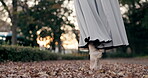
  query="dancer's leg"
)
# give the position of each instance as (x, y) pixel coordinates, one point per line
(95, 55)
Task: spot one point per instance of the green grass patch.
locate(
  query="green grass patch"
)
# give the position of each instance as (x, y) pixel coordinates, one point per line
(74, 57)
(124, 55)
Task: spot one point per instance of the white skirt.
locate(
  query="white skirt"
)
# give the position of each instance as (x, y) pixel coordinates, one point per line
(100, 20)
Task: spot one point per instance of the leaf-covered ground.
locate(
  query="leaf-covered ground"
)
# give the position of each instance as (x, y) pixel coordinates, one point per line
(112, 68)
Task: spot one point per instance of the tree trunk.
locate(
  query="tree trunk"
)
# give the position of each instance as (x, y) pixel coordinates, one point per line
(14, 23)
(59, 45)
(53, 45)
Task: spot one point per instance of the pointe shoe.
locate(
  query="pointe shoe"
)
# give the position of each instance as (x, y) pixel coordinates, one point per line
(94, 60)
(95, 55)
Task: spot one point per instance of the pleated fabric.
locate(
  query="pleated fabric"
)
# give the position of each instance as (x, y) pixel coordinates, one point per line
(100, 20)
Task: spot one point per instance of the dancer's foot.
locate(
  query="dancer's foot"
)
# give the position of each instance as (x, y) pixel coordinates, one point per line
(95, 56)
(95, 60)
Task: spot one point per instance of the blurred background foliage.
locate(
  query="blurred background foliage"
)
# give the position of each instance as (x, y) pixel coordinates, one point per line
(51, 15)
(47, 13)
(44, 13)
(136, 22)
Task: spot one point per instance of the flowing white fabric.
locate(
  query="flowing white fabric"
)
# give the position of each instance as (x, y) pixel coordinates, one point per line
(102, 20)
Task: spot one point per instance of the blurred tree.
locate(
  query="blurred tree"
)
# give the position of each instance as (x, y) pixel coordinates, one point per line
(46, 13)
(13, 16)
(136, 22)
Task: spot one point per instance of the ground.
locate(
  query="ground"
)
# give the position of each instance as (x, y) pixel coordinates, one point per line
(112, 68)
